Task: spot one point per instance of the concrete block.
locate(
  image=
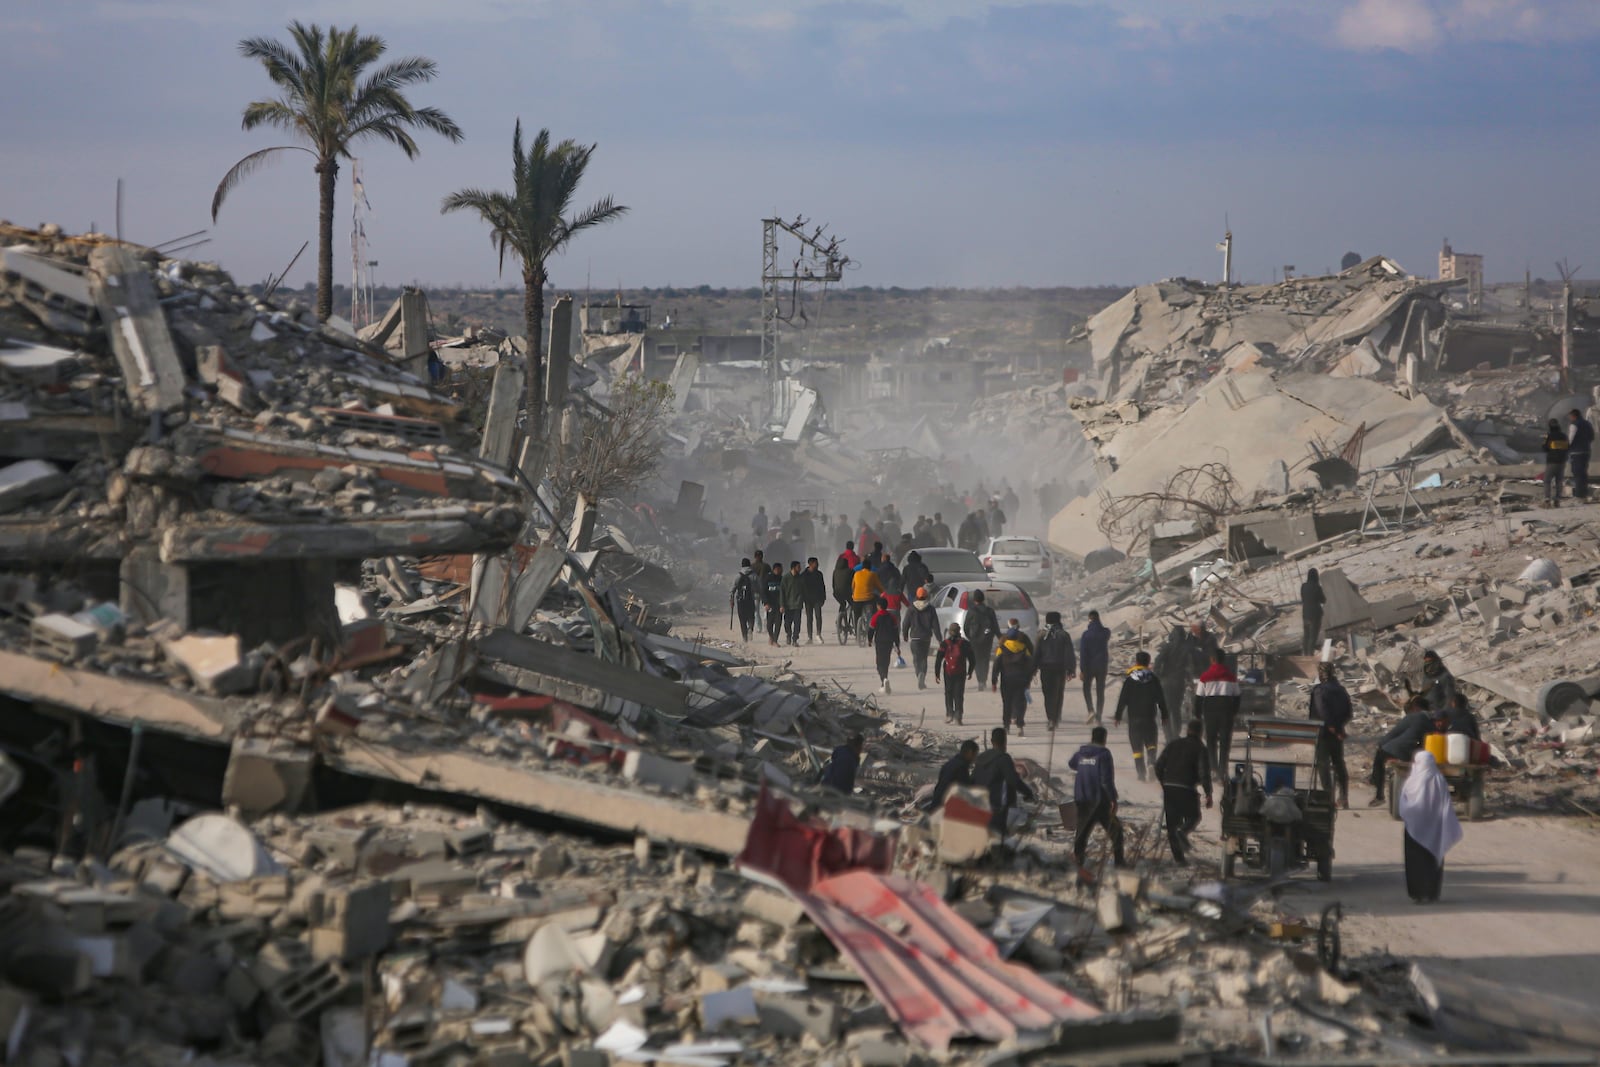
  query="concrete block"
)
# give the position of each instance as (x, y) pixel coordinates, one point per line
(646, 768)
(793, 1016)
(469, 841)
(963, 826)
(215, 663)
(1116, 910)
(731, 1007)
(720, 977)
(266, 775)
(65, 636)
(772, 906)
(350, 922)
(342, 844)
(302, 992)
(31, 479)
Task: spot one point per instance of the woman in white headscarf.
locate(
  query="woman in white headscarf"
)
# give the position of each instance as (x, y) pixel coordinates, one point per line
(1431, 827)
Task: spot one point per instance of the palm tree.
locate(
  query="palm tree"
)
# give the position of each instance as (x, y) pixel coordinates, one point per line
(532, 223)
(330, 101)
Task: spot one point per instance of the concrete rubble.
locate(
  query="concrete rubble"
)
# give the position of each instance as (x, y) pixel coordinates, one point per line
(332, 740)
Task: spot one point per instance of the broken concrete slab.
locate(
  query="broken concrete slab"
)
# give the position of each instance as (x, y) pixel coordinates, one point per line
(137, 328)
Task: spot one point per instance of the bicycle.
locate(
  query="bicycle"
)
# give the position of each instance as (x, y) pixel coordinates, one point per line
(853, 623)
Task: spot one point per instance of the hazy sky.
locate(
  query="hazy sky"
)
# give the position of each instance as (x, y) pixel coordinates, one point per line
(950, 142)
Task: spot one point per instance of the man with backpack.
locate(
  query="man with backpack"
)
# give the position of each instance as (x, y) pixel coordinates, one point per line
(1095, 793)
(955, 663)
(1013, 671)
(1145, 703)
(1056, 662)
(743, 599)
(920, 628)
(982, 627)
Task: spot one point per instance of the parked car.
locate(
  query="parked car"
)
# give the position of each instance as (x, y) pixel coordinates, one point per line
(953, 565)
(1023, 561)
(953, 601)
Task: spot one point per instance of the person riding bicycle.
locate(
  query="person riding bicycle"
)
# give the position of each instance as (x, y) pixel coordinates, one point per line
(865, 589)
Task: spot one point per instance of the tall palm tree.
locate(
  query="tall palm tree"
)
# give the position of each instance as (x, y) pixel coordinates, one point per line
(532, 222)
(330, 100)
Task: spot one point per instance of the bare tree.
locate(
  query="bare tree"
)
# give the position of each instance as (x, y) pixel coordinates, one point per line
(1204, 493)
(618, 450)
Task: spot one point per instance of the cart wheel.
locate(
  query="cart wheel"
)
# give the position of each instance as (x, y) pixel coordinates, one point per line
(843, 628)
(863, 635)
(1277, 858)
(1227, 861)
(1475, 799)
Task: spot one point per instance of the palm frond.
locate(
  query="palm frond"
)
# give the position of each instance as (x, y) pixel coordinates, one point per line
(246, 167)
(277, 113)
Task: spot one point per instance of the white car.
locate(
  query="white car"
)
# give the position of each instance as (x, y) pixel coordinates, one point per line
(954, 600)
(1023, 561)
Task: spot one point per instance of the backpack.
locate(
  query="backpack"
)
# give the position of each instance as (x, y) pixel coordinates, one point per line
(953, 655)
(744, 593)
(1053, 648)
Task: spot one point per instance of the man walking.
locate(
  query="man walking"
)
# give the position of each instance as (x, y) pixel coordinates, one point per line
(1142, 700)
(1216, 698)
(1555, 463)
(1057, 663)
(1183, 768)
(743, 599)
(759, 525)
(772, 594)
(982, 627)
(915, 573)
(813, 594)
(997, 772)
(1330, 705)
(1094, 658)
(794, 603)
(1580, 441)
(940, 532)
(955, 663)
(1095, 793)
(1013, 671)
(884, 629)
(1312, 598)
(920, 628)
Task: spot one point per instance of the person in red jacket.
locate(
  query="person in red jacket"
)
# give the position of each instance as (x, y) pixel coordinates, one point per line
(1216, 698)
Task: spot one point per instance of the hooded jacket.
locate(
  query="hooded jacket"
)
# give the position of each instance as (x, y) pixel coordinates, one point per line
(1055, 650)
(885, 630)
(982, 623)
(1141, 697)
(813, 587)
(922, 622)
(1014, 658)
(843, 579)
(1330, 705)
(749, 585)
(1094, 648)
(1217, 690)
(889, 577)
(1184, 763)
(916, 574)
(1407, 735)
(955, 646)
(997, 772)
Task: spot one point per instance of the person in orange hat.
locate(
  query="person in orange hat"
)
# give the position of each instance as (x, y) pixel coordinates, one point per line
(921, 626)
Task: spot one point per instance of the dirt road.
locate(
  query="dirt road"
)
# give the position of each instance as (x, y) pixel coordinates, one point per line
(1521, 895)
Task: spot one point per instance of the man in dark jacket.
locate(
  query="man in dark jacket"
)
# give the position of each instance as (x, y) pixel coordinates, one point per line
(996, 772)
(792, 589)
(841, 772)
(1056, 662)
(1095, 793)
(1198, 645)
(954, 663)
(772, 594)
(1013, 672)
(1094, 659)
(1311, 600)
(1556, 447)
(843, 580)
(1330, 705)
(1217, 705)
(1579, 444)
(743, 597)
(915, 573)
(1145, 705)
(982, 627)
(884, 629)
(940, 532)
(814, 594)
(1400, 744)
(919, 630)
(1439, 685)
(967, 533)
(1183, 768)
(957, 770)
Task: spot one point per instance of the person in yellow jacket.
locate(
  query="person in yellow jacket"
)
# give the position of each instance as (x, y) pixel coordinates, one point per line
(865, 589)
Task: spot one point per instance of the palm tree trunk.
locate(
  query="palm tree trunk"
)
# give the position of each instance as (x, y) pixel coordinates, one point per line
(533, 314)
(327, 179)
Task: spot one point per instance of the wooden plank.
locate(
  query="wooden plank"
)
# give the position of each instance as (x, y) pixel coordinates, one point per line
(137, 328)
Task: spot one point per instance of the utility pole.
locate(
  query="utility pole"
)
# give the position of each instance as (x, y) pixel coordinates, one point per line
(1226, 248)
(817, 262)
(1567, 274)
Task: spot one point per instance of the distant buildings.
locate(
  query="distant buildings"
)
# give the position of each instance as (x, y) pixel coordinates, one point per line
(1458, 265)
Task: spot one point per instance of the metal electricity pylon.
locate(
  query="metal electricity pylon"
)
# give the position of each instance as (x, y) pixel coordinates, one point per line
(817, 262)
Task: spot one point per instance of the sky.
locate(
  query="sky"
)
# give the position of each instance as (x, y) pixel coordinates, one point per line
(948, 142)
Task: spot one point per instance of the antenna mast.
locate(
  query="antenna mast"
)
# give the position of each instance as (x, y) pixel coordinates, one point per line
(817, 262)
